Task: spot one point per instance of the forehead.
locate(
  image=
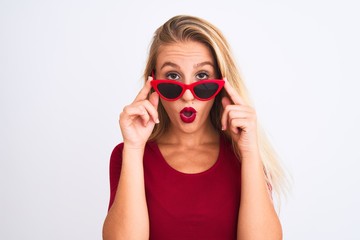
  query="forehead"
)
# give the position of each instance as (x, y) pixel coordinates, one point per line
(184, 52)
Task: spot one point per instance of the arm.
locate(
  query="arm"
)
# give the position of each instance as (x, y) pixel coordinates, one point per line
(257, 216)
(257, 219)
(128, 216)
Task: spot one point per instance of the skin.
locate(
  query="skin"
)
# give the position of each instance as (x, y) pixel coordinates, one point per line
(190, 62)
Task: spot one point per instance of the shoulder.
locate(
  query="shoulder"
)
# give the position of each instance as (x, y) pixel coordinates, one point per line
(228, 151)
(226, 144)
(116, 157)
(116, 154)
(118, 149)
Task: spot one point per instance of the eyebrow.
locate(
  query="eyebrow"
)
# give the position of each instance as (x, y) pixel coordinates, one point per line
(203, 64)
(171, 64)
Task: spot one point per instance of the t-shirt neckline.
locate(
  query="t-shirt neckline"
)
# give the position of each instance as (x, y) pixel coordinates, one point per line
(209, 170)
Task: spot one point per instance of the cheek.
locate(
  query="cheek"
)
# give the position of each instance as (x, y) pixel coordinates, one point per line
(169, 107)
(208, 105)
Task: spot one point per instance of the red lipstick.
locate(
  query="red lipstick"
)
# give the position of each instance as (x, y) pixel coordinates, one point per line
(188, 114)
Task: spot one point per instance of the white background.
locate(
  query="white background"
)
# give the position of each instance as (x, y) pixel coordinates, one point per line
(67, 68)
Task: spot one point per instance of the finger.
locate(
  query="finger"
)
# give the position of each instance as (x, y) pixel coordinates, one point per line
(234, 96)
(239, 108)
(131, 112)
(142, 95)
(149, 112)
(237, 125)
(225, 102)
(244, 120)
(238, 120)
(154, 100)
(235, 111)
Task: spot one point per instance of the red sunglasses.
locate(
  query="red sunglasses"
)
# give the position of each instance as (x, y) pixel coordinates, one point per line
(202, 90)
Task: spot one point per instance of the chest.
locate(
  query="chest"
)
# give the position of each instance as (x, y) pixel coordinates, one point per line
(190, 160)
(193, 206)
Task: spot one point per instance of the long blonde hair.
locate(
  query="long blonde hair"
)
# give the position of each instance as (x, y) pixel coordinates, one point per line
(184, 28)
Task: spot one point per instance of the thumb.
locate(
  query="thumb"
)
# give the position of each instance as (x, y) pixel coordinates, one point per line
(154, 99)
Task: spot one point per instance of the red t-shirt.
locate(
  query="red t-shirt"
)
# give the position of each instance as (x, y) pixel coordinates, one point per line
(187, 206)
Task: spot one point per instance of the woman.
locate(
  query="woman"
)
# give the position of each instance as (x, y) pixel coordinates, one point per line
(193, 164)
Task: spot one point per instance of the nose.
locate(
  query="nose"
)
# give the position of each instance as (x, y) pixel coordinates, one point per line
(188, 96)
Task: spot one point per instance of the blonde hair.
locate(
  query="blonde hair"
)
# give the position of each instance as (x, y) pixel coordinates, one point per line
(184, 28)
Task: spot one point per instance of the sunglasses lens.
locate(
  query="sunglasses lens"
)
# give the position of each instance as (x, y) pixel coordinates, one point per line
(206, 90)
(169, 90)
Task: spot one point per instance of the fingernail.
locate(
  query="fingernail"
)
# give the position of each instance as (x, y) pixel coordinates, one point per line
(157, 121)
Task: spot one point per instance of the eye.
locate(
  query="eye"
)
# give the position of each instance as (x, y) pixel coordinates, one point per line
(202, 76)
(172, 76)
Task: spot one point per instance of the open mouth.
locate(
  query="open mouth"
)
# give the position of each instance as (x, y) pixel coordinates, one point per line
(188, 114)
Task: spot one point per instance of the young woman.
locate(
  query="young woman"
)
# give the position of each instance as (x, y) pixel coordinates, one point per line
(193, 163)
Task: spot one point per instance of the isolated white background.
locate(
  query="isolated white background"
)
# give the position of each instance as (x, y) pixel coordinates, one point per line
(67, 68)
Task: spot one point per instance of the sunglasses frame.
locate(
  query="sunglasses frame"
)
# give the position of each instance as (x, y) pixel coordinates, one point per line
(156, 82)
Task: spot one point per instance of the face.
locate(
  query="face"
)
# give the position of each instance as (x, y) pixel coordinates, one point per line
(186, 62)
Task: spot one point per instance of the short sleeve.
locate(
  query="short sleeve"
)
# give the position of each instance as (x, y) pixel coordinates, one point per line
(114, 171)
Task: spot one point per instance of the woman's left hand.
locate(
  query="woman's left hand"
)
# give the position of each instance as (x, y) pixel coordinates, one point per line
(240, 120)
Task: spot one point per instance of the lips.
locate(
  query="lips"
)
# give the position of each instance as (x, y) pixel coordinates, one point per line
(188, 114)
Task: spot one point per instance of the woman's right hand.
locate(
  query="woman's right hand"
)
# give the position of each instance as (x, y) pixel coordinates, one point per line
(138, 119)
